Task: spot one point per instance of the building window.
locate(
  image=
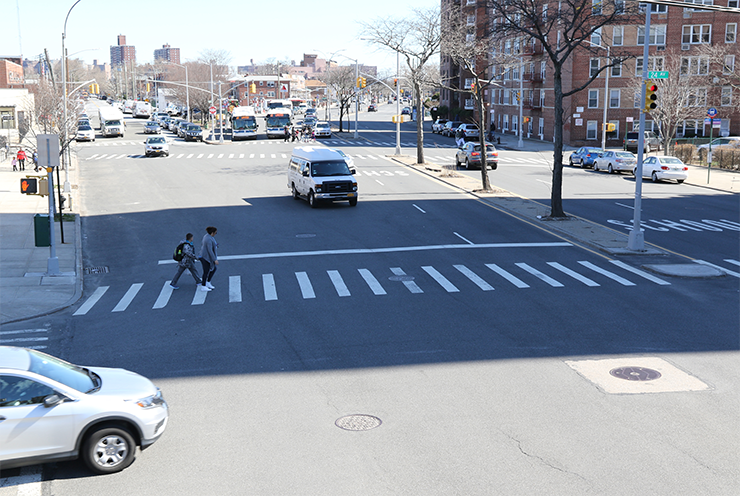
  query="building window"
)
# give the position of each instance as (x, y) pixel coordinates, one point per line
(729, 65)
(515, 123)
(471, 20)
(654, 9)
(657, 35)
(543, 70)
(542, 98)
(271, 94)
(637, 102)
(515, 73)
(544, 13)
(698, 33)
(507, 73)
(617, 70)
(615, 98)
(470, 37)
(726, 98)
(697, 97)
(594, 67)
(730, 33)
(7, 119)
(732, 3)
(694, 66)
(618, 35)
(619, 6)
(507, 97)
(654, 64)
(697, 2)
(591, 127)
(596, 7)
(593, 98)
(468, 83)
(596, 37)
(506, 122)
(270, 84)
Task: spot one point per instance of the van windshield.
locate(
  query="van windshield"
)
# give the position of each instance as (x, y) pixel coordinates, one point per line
(332, 168)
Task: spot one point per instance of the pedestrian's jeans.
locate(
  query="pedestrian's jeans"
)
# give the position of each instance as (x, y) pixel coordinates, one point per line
(181, 269)
(208, 270)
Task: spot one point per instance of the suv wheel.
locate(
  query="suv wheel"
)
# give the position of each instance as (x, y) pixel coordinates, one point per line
(109, 450)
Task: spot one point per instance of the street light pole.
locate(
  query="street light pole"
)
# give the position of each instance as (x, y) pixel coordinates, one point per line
(67, 187)
(520, 143)
(398, 103)
(187, 87)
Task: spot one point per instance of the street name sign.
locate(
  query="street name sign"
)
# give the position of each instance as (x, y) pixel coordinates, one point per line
(657, 75)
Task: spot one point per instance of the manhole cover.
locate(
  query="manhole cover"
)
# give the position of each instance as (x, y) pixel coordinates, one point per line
(96, 270)
(305, 235)
(635, 373)
(401, 278)
(358, 422)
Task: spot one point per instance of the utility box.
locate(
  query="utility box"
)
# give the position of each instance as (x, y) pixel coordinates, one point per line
(42, 230)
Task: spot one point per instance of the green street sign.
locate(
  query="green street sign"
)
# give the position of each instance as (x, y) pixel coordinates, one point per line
(657, 74)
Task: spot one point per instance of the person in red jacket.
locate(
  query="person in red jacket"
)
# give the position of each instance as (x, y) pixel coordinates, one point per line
(21, 160)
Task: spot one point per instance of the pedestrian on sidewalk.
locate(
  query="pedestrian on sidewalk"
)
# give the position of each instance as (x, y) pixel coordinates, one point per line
(35, 158)
(208, 257)
(187, 262)
(15, 164)
(21, 160)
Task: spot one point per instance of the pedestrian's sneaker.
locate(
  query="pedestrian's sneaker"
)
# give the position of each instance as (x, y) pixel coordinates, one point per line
(174, 287)
(209, 285)
(205, 288)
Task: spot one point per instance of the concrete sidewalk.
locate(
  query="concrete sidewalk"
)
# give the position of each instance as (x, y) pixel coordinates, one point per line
(26, 291)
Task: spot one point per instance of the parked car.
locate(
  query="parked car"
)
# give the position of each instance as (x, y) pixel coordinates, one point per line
(85, 133)
(661, 167)
(652, 142)
(615, 161)
(584, 156)
(725, 141)
(450, 127)
(192, 132)
(470, 155)
(438, 125)
(469, 131)
(83, 122)
(310, 112)
(406, 111)
(372, 108)
(322, 130)
(310, 121)
(52, 410)
(156, 145)
(152, 127)
(175, 125)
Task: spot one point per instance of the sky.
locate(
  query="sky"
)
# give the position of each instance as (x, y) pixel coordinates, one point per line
(250, 30)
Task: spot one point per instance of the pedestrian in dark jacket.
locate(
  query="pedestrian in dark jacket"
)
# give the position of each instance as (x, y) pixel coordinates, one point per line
(208, 257)
(187, 262)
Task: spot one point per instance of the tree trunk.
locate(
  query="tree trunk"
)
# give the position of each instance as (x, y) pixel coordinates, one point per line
(419, 124)
(485, 181)
(556, 194)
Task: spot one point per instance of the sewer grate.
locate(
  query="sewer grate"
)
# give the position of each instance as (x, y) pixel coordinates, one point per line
(401, 278)
(96, 270)
(359, 422)
(635, 373)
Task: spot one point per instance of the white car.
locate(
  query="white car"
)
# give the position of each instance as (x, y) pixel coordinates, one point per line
(52, 410)
(156, 145)
(726, 141)
(85, 133)
(613, 161)
(322, 130)
(662, 167)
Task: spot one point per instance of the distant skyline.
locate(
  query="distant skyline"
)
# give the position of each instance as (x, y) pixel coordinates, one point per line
(257, 32)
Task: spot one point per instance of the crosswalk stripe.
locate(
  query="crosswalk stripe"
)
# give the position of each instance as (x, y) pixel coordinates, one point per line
(210, 155)
(369, 278)
(97, 294)
(728, 272)
(272, 155)
(411, 285)
(220, 155)
(200, 155)
(199, 297)
(734, 262)
(164, 296)
(180, 155)
(241, 155)
(575, 275)
(305, 284)
(231, 155)
(251, 155)
(506, 275)
(190, 155)
(544, 277)
(477, 280)
(19, 340)
(338, 282)
(24, 331)
(442, 280)
(128, 297)
(262, 155)
(123, 155)
(640, 273)
(268, 285)
(610, 275)
(235, 289)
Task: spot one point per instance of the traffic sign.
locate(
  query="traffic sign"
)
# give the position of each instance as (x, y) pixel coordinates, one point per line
(657, 74)
(712, 112)
(212, 110)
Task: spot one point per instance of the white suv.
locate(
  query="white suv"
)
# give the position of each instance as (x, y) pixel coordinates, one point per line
(51, 410)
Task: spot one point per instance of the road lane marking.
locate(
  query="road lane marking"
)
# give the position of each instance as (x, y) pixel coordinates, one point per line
(235, 289)
(164, 296)
(190, 155)
(640, 273)
(128, 297)
(442, 280)
(210, 155)
(241, 155)
(97, 294)
(544, 277)
(220, 155)
(411, 285)
(305, 283)
(180, 155)
(231, 155)
(418, 208)
(200, 155)
(338, 282)
(199, 297)
(474, 277)
(466, 240)
(268, 285)
(734, 262)
(575, 275)
(506, 275)
(610, 275)
(373, 283)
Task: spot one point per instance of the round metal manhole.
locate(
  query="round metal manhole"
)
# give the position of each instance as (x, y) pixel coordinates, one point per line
(305, 235)
(635, 373)
(401, 278)
(360, 422)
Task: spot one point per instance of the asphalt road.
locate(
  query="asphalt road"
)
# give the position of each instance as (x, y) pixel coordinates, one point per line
(473, 348)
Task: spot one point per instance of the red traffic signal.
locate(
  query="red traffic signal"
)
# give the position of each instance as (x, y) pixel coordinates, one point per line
(29, 185)
(651, 96)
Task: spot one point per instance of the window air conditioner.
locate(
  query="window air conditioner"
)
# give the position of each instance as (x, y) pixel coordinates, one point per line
(685, 46)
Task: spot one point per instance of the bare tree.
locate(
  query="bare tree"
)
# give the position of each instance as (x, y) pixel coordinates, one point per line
(416, 39)
(342, 81)
(560, 28)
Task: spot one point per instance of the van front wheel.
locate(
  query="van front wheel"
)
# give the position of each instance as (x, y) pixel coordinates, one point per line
(353, 202)
(295, 192)
(311, 199)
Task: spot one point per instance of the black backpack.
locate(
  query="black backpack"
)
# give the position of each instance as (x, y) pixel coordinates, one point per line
(178, 252)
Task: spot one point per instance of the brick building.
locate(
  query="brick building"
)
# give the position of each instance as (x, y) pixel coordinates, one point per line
(167, 53)
(122, 53)
(11, 72)
(678, 38)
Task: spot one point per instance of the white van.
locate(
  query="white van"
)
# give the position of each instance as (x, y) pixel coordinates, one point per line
(318, 173)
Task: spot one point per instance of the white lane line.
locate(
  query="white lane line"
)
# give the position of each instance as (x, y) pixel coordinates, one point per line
(575, 275)
(734, 262)
(506, 275)
(338, 282)
(474, 277)
(466, 240)
(359, 156)
(272, 155)
(442, 280)
(728, 272)
(235, 289)
(610, 275)
(379, 182)
(373, 157)
(164, 296)
(418, 208)
(544, 277)
(220, 155)
(262, 155)
(97, 294)
(241, 155)
(123, 155)
(268, 285)
(92, 156)
(410, 285)
(625, 206)
(305, 284)
(640, 273)
(128, 297)
(200, 296)
(23, 340)
(104, 155)
(375, 286)
(23, 331)
(282, 155)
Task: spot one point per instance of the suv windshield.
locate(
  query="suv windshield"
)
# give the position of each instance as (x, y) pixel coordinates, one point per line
(333, 168)
(70, 375)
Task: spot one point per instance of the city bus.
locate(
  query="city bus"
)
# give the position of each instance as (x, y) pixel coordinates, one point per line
(243, 123)
(286, 104)
(276, 120)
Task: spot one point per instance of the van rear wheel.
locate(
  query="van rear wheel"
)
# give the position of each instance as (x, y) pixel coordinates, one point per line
(295, 192)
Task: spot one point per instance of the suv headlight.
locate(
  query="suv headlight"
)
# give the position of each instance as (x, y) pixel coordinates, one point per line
(152, 401)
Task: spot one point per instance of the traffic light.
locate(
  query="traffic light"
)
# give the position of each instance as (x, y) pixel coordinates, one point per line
(364, 81)
(253, 88)
(359, 82)
(517, 97)
(472, 86)
(29, 185)
(148, 87)
(610, 127)
(651, 96)
(395, 82)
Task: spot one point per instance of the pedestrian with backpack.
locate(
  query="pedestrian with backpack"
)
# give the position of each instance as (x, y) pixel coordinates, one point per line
(208, 257)
(185, 256)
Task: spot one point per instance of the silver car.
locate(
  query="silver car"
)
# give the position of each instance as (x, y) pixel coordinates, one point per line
(52, 410)
(156, 145)
(613, 161)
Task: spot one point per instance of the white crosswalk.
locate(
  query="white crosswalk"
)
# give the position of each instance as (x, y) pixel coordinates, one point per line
(330, 141)
(35, 339)
(381, 282)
